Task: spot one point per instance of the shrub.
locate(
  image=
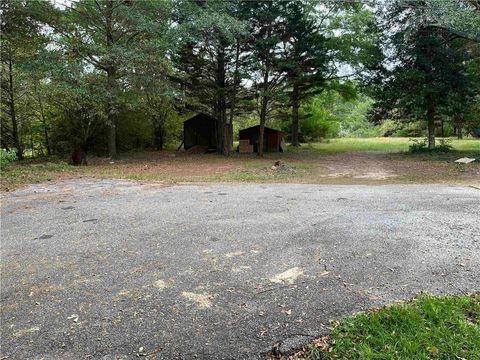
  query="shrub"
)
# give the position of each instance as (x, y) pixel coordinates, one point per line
(418, 146)
(444, 146)
(6, 157)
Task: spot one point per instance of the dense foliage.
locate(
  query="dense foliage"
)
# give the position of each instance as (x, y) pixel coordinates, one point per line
(114, 75)
(428, 72)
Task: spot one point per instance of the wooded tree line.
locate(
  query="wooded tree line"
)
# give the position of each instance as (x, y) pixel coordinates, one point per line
(113, 75)
(431, 68)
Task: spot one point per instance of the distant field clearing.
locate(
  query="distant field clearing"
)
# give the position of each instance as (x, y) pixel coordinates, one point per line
(384, 144)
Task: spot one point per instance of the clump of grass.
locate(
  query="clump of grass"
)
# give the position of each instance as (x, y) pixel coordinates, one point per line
(18, 174)
(426, 328)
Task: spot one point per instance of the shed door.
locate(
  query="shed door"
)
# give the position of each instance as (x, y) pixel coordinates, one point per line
(272, 142)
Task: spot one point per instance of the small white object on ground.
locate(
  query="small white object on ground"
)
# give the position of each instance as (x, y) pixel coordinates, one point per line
(464, 160)
(289, 276)
(73, 317)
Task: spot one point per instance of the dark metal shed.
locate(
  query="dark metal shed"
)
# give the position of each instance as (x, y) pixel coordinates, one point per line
(272, 139)
(200, 130)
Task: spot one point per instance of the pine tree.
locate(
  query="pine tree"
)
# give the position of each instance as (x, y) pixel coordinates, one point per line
(22, 40)
(266, 21)
(208, 60)
(424, 66)
(305, 57)
(317, 41)
(113, 37)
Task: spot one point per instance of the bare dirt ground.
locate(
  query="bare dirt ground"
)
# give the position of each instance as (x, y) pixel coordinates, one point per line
(304, 166)
(392, 168)
(349, 168)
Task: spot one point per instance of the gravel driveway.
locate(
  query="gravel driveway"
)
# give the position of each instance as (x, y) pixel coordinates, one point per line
(115, 269)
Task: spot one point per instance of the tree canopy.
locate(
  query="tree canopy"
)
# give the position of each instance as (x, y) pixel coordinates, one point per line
(115, 75)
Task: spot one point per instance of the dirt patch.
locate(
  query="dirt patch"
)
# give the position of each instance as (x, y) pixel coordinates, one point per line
(357, 165)
(168, 164)
(161, 284)
(306, 166)
(369, 167)
(203, 301)
(301, 167)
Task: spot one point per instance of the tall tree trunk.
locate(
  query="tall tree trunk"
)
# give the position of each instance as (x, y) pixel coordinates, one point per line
(263, 112)
(431, 125)
(459, 128)
(47, 140)
(221, 105)
(111, 116)
(31, 143)
(263, 120)
(112, 137)
(295, 121)
(233, 94)
(15, 135)
(261, 132)
(226, 139)
(111, 84)
(159, 132)
(429, 100)
(44, 121)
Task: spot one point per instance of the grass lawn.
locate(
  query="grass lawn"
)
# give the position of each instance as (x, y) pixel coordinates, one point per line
(426, 328)
(336, 161)
(382, 144)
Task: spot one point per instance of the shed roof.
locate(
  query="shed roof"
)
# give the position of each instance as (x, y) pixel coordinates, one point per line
(266, 128)
(200, 116)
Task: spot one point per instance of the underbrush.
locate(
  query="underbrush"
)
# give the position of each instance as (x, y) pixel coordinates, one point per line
(7, 157)
(421, 146)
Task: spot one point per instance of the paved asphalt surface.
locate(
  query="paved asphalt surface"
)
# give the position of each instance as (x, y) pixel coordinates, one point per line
(115, 269)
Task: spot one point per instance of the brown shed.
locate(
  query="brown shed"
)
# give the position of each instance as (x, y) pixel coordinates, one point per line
(200, 130)
(272, 139)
